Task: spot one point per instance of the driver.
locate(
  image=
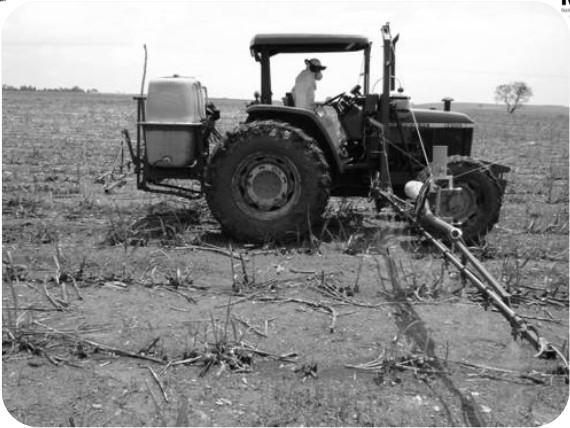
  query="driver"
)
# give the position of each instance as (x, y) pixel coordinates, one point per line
(304, 97)
(306, 84)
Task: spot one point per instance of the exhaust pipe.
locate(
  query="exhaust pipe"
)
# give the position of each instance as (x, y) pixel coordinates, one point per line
(447, 103)
(427, 218)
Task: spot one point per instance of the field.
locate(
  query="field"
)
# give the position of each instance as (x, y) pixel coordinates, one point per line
(128, 309)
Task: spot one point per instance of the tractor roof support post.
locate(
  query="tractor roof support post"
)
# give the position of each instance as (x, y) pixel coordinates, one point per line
(393, 42)
(265, 78)
(392, 67)
(367, 70)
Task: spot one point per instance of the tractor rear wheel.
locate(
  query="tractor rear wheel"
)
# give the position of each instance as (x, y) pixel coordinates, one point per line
(475, 210)
(267, 180)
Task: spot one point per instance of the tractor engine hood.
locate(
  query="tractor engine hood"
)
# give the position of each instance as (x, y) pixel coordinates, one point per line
(426, 118)
(436, 127)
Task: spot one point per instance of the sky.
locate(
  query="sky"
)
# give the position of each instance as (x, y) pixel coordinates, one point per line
(462, 49)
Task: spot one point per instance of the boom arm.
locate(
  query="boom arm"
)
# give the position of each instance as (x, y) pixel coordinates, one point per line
(471, 269)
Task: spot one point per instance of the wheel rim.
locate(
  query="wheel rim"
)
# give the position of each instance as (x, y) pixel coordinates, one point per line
(266, 185)
(461, 206)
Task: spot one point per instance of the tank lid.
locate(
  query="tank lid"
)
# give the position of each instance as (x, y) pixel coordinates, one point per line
(177, 77)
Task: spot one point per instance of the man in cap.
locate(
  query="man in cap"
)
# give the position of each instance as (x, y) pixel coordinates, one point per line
(304, 96)
(306, 84)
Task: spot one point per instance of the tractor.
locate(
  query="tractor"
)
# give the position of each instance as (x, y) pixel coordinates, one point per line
(271, 177)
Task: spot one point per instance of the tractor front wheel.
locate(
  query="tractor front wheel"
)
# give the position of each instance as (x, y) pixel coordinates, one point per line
(475, 210)
(267, 180)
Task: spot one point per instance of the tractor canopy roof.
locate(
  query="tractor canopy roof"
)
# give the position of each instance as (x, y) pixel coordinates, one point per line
(273, 44)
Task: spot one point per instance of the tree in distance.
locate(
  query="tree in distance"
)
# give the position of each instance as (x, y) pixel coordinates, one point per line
(513, 94)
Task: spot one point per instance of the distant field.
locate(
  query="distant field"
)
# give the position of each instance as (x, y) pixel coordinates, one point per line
(101, 290)
(525, 109)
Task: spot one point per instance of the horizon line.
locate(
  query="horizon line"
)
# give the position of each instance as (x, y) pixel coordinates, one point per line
(98, 92)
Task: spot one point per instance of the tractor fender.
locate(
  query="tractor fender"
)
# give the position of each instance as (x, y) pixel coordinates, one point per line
(307, 121)
(498, 170)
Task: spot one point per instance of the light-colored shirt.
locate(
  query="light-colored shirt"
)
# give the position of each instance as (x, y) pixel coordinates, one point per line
(304, 90)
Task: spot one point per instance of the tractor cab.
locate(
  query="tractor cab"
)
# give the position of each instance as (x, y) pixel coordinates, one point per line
(264, 46)
(335, 124)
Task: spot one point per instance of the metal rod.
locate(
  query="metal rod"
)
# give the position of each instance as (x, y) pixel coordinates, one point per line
(139, 127)
(127, 140)
(385, 99)
(182, 192)
(519, 325)
(393, 65)
(144, 70)
(385, 178)
(505, 295)
(140, 119)
(428, 219)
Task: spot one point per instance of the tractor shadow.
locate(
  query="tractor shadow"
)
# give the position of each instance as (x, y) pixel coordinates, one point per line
(352, 232)
(351, 229)
(167, 224)
(334, 227)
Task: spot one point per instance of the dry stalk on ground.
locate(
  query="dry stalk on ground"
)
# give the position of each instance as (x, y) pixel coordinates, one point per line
(313, 305)
(233, 353)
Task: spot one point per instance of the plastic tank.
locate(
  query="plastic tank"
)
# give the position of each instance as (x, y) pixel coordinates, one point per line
(174, 111)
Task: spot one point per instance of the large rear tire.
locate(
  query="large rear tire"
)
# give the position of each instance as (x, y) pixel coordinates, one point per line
(475, 210)
(267, 181)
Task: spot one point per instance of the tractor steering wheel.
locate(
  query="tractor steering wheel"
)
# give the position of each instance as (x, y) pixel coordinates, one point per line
(344, 101)
(354, 91)
(334, 99)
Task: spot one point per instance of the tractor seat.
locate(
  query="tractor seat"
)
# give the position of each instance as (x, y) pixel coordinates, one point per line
(288, 100)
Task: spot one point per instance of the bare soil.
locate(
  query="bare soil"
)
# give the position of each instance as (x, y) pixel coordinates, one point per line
(156, 286)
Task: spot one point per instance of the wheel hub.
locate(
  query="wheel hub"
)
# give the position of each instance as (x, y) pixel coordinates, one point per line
(459, 204)
(267, 186)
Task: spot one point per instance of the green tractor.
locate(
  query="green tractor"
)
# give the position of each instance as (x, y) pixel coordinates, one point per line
(271, 178)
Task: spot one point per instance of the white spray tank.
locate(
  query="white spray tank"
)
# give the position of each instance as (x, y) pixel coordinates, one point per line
(175, 109)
